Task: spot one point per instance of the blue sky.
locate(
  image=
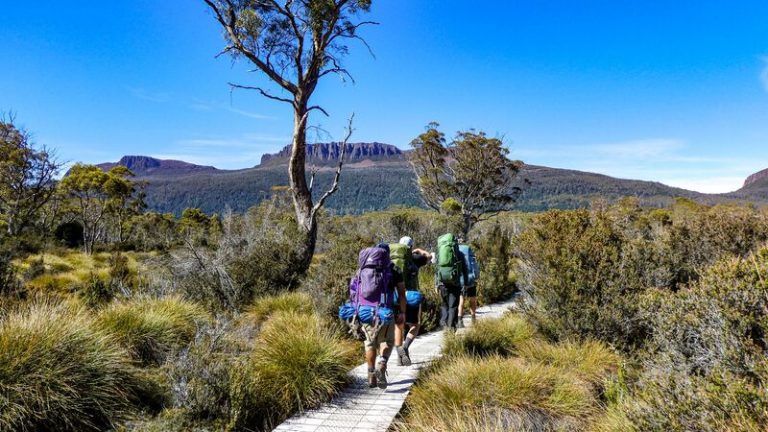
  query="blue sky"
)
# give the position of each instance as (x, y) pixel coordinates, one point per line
(675, 92)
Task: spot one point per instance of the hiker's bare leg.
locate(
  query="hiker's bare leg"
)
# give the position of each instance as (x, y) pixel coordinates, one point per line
(399, 330)
(461, 306)
(473, 306)
(370, 358)
(384, 348)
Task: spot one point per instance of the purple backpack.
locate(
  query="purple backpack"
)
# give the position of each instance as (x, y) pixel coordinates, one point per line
(370, 286)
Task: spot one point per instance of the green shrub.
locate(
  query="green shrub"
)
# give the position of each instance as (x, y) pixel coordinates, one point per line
(96, 292)
(298, 364)
(152, 328)
(494, 254)
(59, 372)
(502, 336)
(202, 375)
(265, 307)
(706, 366)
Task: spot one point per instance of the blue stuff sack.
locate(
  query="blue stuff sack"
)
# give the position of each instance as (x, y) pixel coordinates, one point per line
(366, 313)
(413, 298)
(346, 311)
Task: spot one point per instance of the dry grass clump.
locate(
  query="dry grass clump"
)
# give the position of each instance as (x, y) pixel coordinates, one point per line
(152, 328)
(501, 375)
(60, 372)
(486, 419)
(502, 336)
(265, 307)
(591, 361)
(506, 384)
(298, 363)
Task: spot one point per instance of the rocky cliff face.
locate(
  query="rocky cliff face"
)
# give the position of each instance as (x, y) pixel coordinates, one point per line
(330, 152)
(756, 177)
(145, 165)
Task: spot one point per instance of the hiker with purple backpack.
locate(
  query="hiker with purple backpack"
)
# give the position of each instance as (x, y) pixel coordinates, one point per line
(370, 310)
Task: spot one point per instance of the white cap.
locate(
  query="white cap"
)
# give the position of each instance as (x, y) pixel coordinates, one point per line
(407, 241)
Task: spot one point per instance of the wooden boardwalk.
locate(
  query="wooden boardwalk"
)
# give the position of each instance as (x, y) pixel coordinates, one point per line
(363, 409)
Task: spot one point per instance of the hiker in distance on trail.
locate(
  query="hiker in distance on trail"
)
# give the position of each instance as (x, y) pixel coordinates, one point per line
(370, 310)
(450, 275)
(468, 290)
(408, 261)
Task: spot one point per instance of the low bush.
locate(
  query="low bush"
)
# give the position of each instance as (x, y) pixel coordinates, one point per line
(60, 372)
(502, 337)
(706, 368)
(152, 328)
(298, 363)
(265, 307)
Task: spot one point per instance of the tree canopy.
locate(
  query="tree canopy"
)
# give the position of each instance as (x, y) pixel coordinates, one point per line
(471, 176)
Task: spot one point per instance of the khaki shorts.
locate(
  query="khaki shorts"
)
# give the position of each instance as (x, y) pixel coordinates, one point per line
(386, 334)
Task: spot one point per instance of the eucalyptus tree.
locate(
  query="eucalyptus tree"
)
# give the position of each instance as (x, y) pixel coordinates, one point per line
(470, 176)
(294, 44)
(96, 195)
(27, 177)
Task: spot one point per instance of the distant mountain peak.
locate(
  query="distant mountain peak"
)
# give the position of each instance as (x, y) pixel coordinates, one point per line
(756, 177)
(331, 152)
(145, 165)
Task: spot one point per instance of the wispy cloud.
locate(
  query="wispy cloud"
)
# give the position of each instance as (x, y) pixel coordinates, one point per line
(764, 73)
(239, 142)
(230, 152)
(249, 114)
(671, 161)
(141, 93)
(638, 149)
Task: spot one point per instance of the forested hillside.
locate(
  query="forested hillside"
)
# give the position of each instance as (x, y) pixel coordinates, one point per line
(378, 176)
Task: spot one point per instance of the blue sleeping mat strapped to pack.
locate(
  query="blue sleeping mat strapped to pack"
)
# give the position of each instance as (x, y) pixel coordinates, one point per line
(366, 313)
(412, 298)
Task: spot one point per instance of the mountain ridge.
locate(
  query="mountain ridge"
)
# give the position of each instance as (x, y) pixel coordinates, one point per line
(378, 176)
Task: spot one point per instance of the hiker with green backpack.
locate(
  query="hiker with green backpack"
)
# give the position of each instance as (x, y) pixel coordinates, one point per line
(450, 274)
(408, 261)
(468, 290)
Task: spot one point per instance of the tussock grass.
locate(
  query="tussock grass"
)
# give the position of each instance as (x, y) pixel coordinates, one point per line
(501, 375)
(265, 307)
(65, 272)
(501, 336)
(504, 383)
(298, 363)
(486, 419)
(612, 420)
(151, 328)
(60, 372)
(591, 361)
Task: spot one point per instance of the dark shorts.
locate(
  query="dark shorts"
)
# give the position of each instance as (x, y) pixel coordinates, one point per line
(469, 291)
(412, 314)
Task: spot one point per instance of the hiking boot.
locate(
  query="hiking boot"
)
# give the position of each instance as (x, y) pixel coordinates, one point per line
(403, 358)
(474, 320)
(460, 324)
(380, 375)
(371, 379)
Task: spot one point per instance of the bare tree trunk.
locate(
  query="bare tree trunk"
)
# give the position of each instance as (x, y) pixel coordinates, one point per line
(302, 196)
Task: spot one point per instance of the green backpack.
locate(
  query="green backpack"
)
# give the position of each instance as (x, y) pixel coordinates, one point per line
(448, 260)
(402, 258)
